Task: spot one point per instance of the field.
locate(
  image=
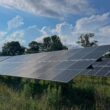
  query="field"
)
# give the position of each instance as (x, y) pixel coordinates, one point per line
(83, 93)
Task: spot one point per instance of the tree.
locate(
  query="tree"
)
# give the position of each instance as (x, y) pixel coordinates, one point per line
(41, 47)
(85, 40)
(33, 47)
(12, 48)
(53, 43)
(0, 53)
(47, 43)
(56, 43)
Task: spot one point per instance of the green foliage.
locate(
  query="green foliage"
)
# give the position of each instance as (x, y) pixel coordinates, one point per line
(47, 43)
(15, 100)
(85, 93)
(28, 90)
(54, 96)
(12, 48)
(31, 88)
(56, 43)
(41, 47)
(85, 41)
(53, 43)
(33, 47)
(0, 53)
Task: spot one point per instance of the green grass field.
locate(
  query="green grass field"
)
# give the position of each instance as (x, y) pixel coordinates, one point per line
(83, 93)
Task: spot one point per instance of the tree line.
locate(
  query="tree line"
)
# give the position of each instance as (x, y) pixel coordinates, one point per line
(52, 43)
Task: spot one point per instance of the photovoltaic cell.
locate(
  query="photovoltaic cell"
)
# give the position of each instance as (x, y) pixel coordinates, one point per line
(61, 66)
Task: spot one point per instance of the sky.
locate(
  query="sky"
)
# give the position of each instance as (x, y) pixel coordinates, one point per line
(32, 20)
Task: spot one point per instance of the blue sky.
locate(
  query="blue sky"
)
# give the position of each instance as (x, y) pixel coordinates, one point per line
(28, 20)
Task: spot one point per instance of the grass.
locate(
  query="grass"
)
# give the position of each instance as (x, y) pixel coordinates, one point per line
(83, 93)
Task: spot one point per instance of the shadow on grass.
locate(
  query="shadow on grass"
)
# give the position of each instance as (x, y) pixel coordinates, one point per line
(80, 97)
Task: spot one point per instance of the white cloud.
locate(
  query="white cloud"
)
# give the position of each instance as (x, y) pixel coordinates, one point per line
(15, 36)
(2, 34)
(2, 37)
(15, 22)
(50, 8)
(104, 35)
(33, 27)
(44, 32)
(98, 24)
(92, 23)
(66, 33)
(13, 32)
(64, 30)
(105, 31)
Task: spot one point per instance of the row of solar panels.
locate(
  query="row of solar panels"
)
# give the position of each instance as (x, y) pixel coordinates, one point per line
(61, 66)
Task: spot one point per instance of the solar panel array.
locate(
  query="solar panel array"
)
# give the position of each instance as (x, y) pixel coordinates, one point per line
(60, 66)
(100, 68)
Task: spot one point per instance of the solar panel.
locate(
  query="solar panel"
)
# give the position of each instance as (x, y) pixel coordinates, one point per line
(105, 61)
(67, 75)
(40, 70)
(97, 52)
(81, 64)
(26, 58)
(101, 68)
(3, 58)
(61, 66)
(108, 74)
(82, 53)
(103, 71)
(90, 72)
